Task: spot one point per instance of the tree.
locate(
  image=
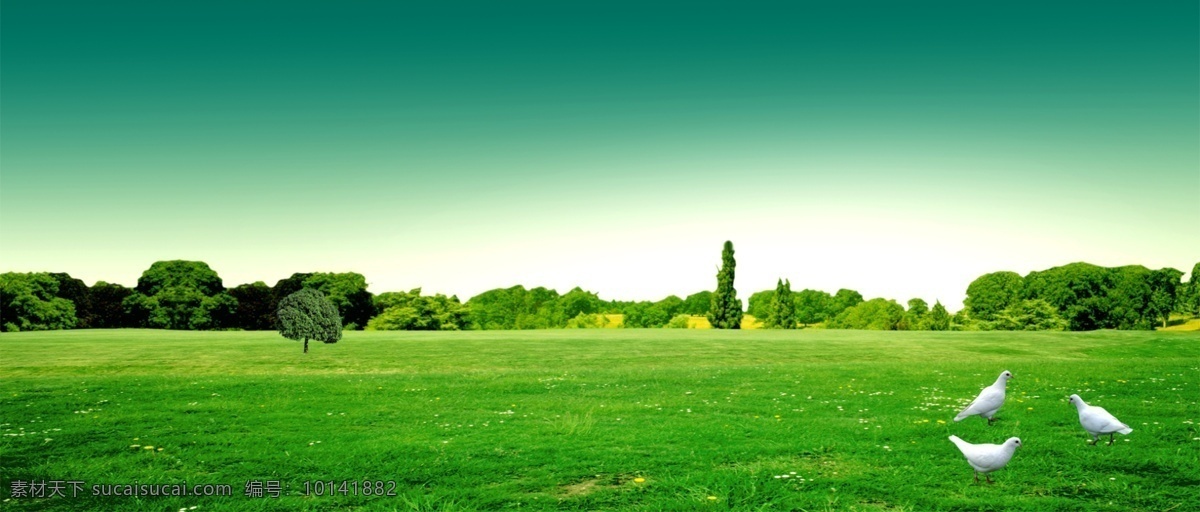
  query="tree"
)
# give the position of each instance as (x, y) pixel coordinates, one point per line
(782, 314)
(680, 321)
(1029, 315)
(671, 305)
(415, 312)
(812, 306)
(1163, 283)
(644, 314)
(181, 294)
(256, 306)
(939, 318)
(106, 301)
(698, 303)
(348, 292)
(726, 309)
(989, 294)
(76, 291)
(1077, 290)
(917, 316)
(841, 301)
(289, 285)
(1191, 302)
(874, 314)
(759, 304)
(308, 315)
(28, 302)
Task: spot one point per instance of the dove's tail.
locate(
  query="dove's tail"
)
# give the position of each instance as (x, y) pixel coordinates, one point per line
(1126, 430)
(958, 442)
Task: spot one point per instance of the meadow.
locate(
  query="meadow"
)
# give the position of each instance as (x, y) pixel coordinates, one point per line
(605, 419)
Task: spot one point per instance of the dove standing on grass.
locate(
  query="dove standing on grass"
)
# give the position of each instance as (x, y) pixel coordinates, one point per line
(1097, 421)
(988, 401)
(985, 458)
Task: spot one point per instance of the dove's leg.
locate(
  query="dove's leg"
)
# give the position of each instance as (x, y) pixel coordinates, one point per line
(976, 477)
(1110, 438)
(990, 420)
(1095, 439)
(989, 478)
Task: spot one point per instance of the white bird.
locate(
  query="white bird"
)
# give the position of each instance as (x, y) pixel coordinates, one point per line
(988, 401)
(1097, 421)
(985, 458)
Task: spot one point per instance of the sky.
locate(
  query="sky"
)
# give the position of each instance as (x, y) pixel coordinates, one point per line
(900, 149)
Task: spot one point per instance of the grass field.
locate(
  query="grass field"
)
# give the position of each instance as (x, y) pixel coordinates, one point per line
(662, 419)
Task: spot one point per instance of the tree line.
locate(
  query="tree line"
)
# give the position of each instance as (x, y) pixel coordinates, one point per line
(190, 295)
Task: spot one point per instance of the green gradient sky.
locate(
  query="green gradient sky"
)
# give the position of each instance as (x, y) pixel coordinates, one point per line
(896, 148)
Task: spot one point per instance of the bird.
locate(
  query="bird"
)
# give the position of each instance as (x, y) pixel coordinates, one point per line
(1097, 421)
(988, 401)
(985, 458)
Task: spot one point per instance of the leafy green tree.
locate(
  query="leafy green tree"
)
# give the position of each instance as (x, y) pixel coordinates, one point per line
(516, 308)
(698, 303)
(76, 291)
(108, 311)
(841, 301)
(759, 304)
(578, 301)
(917, 316)
(644, 314)
(1163, 284)
(1029, 315)
(195, 275)
(726, 309)
(256, 305)
(587, 321)
(181, 294)
(671, 305)
(680, 321)
(308, 315)
(412, 311)
(989, 294)
(29, 302)
(1191, 303)
(290, 285)
(782, 313)
(1077, 290)
(348, 292)
(813, 306)
(874, 314)
(939, 318)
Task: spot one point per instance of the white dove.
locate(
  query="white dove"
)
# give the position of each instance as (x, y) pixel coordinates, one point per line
(985, 458)
(988, 401)
(1097, 421)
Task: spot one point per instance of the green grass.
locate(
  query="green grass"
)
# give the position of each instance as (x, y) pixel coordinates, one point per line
(568, 419)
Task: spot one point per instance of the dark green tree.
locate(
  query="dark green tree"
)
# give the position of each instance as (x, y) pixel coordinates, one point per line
(644, 314)
(916, 318)
(1163, 285)
(939, 318)
(76, 291)
(1191, 302)
(671, 305)
(782, 314)
(181, 295)
(759, 304)
(256, 306)
(108, 311)
(29, 302)
(726, 309)
(874, 314)
(841, 301)
(412, 311)
(290, 285)
(698, 303)
(813, 306)
(989, 294)
(308, 315)
(1029, 315)
(348, 292)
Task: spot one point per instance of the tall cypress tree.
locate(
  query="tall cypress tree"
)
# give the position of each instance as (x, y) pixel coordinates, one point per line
(783, 313)
(726, 310)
